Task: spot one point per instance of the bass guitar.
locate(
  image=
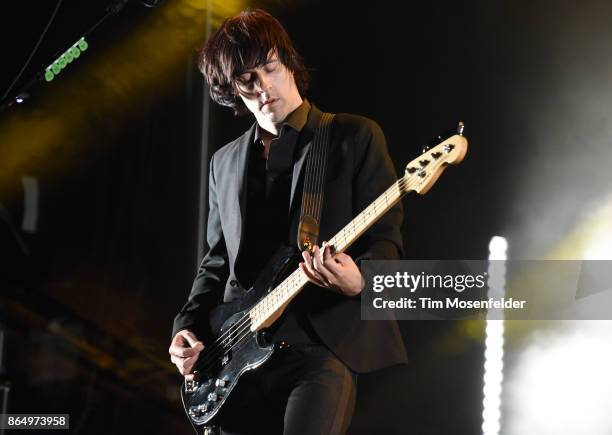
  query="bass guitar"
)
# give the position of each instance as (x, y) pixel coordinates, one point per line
(240, 345)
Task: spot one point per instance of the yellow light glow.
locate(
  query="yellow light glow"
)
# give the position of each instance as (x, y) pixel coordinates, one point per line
(115, 82)
(592, 239)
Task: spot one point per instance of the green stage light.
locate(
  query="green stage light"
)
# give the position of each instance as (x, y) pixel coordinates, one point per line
(67, 57)
(83, 45)
(49, 75)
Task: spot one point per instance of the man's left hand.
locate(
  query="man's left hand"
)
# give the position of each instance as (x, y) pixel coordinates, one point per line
(336, 271)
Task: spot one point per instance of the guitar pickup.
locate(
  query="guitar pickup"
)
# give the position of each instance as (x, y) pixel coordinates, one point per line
(226, 358)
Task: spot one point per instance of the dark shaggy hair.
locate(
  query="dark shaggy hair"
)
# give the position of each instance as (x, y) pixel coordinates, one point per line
(242, 43)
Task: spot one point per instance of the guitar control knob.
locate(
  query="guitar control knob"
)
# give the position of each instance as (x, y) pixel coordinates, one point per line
(196, 411)
(220, 383)
(212, 397)
(191, 386)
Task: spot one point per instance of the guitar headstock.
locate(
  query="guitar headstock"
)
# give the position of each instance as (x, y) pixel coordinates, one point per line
(423, 172)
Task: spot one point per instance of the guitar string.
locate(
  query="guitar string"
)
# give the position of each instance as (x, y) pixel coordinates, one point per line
(242, 327)
(400, 183)
(244, 333)
(316, 143)
(291, 280)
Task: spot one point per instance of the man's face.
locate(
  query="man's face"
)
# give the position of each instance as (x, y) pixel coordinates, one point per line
(269, 91)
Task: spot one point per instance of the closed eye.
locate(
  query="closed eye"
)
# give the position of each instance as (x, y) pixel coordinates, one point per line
(270, 66)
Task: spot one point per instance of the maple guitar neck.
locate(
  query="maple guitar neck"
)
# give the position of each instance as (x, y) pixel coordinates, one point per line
(419, 176)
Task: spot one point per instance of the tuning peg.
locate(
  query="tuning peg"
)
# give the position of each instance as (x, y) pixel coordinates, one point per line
(460, 128)
(425, 149)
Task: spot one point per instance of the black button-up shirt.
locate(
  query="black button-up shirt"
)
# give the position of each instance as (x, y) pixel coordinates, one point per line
(268, 221)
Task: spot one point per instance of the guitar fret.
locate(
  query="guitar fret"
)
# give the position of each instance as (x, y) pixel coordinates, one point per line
(292, 285)
(266, 310)
(342, 240)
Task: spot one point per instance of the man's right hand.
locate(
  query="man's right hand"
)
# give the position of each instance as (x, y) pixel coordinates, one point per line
(184, 351)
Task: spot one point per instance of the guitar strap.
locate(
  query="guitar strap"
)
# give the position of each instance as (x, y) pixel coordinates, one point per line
(312, 196)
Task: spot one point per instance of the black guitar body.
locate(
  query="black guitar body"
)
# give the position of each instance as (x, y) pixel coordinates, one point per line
(237, 349)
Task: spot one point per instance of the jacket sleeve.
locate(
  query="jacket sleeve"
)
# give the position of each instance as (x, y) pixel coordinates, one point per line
(208, 285)
(374, 173)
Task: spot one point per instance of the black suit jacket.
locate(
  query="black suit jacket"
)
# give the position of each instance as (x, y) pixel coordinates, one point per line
(359, 170)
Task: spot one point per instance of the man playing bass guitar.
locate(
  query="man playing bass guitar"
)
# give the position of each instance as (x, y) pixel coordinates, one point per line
(255, 192)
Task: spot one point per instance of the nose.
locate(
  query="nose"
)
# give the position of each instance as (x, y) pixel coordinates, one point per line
(262, 84)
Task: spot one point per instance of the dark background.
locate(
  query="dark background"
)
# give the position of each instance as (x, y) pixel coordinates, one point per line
(86, 308)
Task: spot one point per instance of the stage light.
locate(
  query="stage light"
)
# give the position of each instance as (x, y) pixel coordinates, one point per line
(82, 44)
(497, 248)
(494, 342)
(21, 97)
(67, 57)
(115, 83)
(598, 244)
(561, 383)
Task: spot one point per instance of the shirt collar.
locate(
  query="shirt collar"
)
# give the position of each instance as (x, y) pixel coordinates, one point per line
(296, 120)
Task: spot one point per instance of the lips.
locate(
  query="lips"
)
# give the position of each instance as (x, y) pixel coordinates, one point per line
(270, 101)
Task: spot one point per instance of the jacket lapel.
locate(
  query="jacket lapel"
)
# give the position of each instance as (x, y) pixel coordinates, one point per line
(240, 184)
(241, 162)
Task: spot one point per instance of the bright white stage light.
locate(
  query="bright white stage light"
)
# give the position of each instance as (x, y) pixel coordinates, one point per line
(494, 342)
(599, 234)
(497, 248)
(600, 248)
(562, 384)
